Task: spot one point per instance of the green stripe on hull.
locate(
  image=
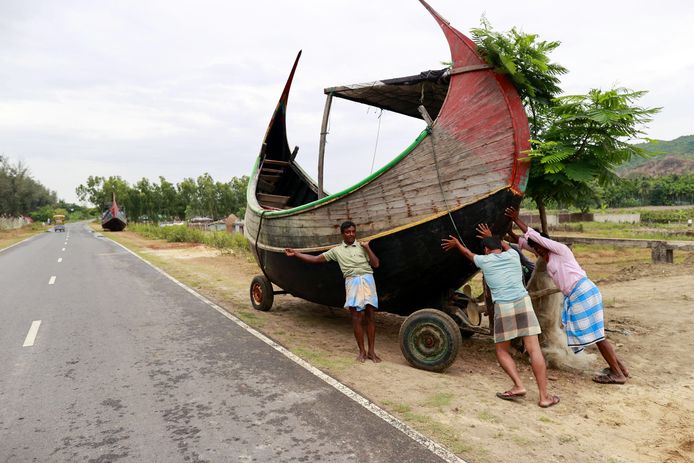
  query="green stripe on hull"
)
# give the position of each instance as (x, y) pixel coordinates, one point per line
(252, 205)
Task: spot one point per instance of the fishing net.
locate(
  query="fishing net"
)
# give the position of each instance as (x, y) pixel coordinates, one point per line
(553, 338)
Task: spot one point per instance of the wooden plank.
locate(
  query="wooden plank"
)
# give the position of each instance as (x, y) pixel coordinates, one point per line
(267, 170)
(275, 162)
(266, 199)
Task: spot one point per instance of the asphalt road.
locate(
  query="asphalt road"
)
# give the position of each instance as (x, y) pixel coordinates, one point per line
(128, 366)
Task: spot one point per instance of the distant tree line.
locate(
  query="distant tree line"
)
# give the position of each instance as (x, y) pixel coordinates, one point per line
(667, 190)
(150, 201)
(20, 194)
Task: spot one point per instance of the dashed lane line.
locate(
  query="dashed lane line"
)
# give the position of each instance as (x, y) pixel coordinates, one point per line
(60, 259)
(31, 335)
(52, 280)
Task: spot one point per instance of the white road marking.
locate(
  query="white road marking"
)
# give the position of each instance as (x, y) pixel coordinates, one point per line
(63, 249)
(60, 259)
(432, 446)
(31, 335)
(52, 280)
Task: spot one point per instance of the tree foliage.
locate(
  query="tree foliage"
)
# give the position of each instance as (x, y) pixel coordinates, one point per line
(668, 190)
(149, 201)
(585, 141)
(19, 192)
(578, 140)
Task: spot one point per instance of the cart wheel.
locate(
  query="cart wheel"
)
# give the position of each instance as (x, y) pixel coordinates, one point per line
(430, 340)
(262, 294)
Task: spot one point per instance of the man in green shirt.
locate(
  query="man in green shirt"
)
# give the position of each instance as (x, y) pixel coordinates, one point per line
(357, 262)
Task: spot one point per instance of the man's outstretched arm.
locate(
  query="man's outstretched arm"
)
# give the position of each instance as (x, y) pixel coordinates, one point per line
(512, 213)
(311, 259)
(453, 243)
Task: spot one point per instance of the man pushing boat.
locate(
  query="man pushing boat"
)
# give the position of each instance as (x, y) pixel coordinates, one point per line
(357, 261)
(513, 311)
(582, 314)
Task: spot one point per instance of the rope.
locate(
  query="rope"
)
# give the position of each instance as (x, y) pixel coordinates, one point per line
(443, 194)
(378, 134)
(430, 129)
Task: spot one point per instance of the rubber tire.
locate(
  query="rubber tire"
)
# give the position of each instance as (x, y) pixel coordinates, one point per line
(261, 293)
(436, 327)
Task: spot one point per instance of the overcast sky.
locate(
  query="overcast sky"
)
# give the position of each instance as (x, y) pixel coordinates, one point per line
(141, 88)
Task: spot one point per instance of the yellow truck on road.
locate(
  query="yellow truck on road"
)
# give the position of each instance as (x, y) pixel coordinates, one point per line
(59, 221)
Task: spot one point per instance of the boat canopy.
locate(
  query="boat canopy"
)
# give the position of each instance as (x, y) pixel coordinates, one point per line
(401, 95)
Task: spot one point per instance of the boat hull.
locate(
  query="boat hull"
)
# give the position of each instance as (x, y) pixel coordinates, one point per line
(415, 272)
(114, 223)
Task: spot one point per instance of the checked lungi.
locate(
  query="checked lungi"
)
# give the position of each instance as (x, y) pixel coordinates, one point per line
(515, 319)
(583, 317)
(361, 291)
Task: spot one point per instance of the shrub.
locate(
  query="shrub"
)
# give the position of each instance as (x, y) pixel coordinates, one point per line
(183, 234)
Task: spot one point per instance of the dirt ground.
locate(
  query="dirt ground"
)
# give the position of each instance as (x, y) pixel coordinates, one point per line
(650, 320)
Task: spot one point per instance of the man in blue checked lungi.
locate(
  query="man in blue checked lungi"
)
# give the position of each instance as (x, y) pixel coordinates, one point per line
(582, 314)
(513, 311)
(357, 261)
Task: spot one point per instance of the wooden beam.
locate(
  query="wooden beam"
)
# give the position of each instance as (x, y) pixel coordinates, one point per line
(321, 149)
(474, 67)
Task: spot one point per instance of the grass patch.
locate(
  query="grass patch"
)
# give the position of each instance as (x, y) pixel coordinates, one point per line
(10, 237)
(321, 360)
(488, 417)
(397, 407)
(251, 318)
(659, 231)
(225, 242)
(440, 400)
(446, 435)
(520, 440)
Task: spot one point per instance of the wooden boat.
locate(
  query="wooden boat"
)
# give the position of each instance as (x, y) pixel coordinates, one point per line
(113, 218)
(463, 170)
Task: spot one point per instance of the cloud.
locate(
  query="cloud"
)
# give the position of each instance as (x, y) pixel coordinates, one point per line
(177, 89)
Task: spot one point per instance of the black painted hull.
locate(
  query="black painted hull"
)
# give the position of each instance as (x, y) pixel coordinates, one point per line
(113, 224)
(415, 272)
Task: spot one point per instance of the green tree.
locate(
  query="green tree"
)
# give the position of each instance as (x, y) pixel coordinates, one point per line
(578, 140)
(19, 192)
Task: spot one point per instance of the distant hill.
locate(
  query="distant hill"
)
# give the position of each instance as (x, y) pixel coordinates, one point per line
(670, 157)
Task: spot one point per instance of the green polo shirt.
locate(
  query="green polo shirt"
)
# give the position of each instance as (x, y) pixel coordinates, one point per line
(352, 258)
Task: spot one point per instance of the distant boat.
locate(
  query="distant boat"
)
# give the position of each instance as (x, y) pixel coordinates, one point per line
(113, 218)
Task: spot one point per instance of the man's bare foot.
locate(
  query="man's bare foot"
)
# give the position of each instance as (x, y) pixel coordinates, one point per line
(550, 402)
(512, 394)
(375, 358)
(361, 357)
(608, 370)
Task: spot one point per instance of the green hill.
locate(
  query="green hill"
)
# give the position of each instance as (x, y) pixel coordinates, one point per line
(669, 157)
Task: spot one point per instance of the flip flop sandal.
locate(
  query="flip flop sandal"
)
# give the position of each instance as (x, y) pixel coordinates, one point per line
(555, 400)
(509, 395)
(608, 371)
(606, 379)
